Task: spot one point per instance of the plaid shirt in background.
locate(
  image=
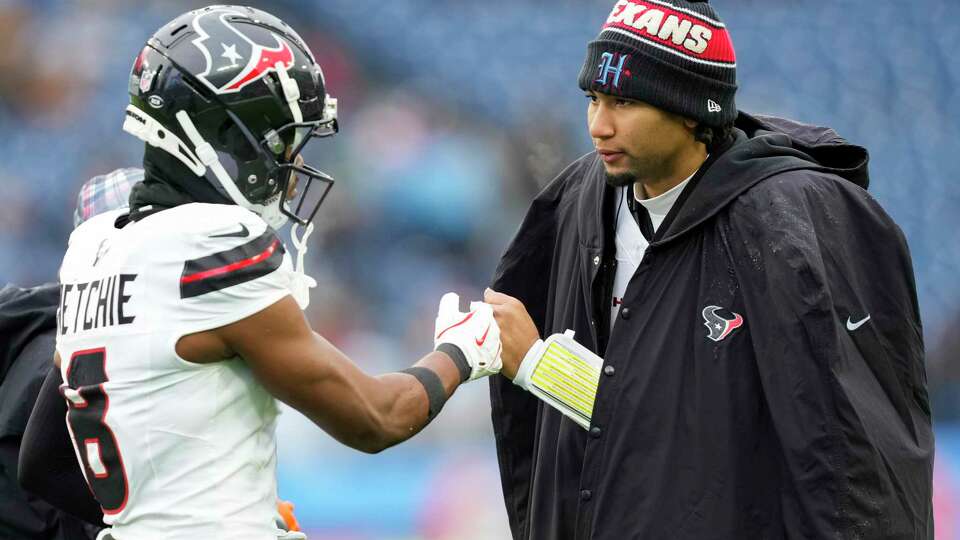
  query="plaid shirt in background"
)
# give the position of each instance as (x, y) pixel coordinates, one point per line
(105, 192)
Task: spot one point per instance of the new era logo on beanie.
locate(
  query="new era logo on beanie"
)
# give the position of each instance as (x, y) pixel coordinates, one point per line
(673, 54)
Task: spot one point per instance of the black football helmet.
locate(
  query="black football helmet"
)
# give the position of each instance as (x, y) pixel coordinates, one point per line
(234, 94)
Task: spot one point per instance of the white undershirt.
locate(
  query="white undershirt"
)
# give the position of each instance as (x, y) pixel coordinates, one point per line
(630, 243)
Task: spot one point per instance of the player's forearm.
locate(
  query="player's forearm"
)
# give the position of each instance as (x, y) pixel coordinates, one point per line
(307, 372)
(405, 409)
(368, 413)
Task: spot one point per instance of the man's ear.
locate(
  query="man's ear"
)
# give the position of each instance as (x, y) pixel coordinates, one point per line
(690, 123)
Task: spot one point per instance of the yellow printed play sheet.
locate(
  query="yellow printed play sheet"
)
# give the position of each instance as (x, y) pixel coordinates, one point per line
(564, 374)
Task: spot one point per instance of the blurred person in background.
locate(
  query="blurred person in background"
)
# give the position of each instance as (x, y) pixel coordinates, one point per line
(183, 312)
(754, 361)
(28, 330)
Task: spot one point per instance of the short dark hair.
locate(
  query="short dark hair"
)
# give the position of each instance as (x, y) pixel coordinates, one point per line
(713, 136)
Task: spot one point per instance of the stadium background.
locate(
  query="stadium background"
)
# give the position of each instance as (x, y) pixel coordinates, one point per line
(453, 115)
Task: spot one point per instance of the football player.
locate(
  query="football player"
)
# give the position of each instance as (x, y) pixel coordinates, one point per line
(180, 319)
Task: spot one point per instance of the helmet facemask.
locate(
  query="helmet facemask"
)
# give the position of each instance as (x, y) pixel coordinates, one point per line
(273, 161)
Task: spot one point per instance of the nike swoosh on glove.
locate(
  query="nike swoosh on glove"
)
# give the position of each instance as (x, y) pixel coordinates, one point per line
(475, 333)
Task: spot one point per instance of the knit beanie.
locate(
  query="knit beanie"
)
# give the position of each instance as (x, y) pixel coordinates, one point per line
(673, 54)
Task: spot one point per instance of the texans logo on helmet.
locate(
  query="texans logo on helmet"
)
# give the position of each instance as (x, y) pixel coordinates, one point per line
(718, 326)
(235, 59)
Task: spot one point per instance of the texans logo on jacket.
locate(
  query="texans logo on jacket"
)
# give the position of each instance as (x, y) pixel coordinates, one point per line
(720, 327)
(235, 59)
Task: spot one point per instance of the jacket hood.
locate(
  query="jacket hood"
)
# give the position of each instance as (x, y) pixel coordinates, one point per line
(24, 314)
(763, 146)
(821, 146)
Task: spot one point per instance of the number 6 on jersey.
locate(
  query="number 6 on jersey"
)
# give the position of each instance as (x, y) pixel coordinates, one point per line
(92, 438)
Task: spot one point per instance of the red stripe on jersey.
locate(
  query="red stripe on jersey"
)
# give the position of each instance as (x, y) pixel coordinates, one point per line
(226, 269)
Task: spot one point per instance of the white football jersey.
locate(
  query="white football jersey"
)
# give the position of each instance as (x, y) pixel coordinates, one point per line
(171, 449)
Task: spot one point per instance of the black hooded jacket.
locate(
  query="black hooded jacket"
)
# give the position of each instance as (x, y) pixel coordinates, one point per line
(27, 323)
(808, 420)
(27, 339)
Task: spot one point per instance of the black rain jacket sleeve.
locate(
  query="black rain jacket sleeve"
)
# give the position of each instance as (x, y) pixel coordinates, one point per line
(838, 394)
(48, 465)
(27, 332)
(529, 253)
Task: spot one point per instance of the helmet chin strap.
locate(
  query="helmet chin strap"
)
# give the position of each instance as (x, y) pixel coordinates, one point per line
(291, 92)
(142, 126)
(302, 283)
(209, 158)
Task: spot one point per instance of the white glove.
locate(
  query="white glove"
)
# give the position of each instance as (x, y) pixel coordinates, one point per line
(476, 334)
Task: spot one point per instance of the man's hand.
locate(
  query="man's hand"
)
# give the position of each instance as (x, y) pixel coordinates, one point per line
(517, 331)
(476, 334)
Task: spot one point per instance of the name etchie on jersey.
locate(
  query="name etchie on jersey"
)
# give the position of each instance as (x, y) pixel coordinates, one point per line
(101, 303)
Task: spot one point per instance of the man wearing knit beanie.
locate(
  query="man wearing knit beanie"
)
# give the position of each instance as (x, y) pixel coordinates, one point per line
(675, 56)
(745, 360)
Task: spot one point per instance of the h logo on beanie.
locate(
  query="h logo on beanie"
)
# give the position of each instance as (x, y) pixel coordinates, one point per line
(607, 68)
(676, 55)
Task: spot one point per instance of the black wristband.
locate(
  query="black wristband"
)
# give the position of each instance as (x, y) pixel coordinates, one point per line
(458, 358)
(436, 394)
